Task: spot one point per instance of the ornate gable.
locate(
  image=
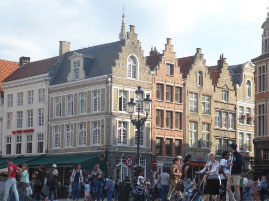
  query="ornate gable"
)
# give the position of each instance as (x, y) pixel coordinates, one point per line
(76, 70)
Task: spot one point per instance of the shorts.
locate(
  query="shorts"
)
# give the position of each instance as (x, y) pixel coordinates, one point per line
(233, 180)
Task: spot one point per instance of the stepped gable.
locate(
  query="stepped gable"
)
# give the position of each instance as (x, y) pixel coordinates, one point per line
(214, 72)
(185, 64)
(153, 59)
(33, 68)
(98, 61)
(6, 68)
(236, 73)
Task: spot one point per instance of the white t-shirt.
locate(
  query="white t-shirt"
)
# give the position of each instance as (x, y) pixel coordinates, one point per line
(245, 181)
(224, 163)
(138, 180)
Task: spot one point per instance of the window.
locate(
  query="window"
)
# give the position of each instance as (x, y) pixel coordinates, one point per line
(193, 102)
(168, 147)
(225, 144)
(57, 136)
(231, 120)
(248, 142)
(169, 91)
(206, 104)
(248, 89)
(8, 145)
(40, 143)
(76, 70)
(261, 79)
(57, 106)
(141, 137)
(225, 95)
(169, 119)
(261, 120)
(29, 144)
(193, 134)
(218, 119)
(19, 119)
(10, 100)
(123, 98)
(30, 118)
(9, 120)
(40, 118)
(241, 141)
(170, 69)
(82, 134)
(20, 99)
(200, 78)
(205, 136)
(224, 120)
(159, 118)
(159, 142)
(218, 146)
(241, 118)
(178, 92)
(96, 132)
(69, 105)
(178, 147)
(30, 97)
(96, 100)
(132, 67)
(248, 115)
(122, 132)
(41, 95)
(82, 102)
(159, 93)
(178, 116)
(69, 135)
(18, 144)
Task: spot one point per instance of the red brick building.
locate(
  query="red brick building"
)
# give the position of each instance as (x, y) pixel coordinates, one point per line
(167, 107)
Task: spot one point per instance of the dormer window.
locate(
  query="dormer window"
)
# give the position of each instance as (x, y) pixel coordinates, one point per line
(200, 78)
(76, 70)
(132, 67)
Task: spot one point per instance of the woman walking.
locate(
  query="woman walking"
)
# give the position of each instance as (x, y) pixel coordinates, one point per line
(76, 180)
(211, 178)
(97, 182)
(38, 185)
(24, 179)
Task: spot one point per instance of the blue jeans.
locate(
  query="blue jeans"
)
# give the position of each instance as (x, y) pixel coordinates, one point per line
(246, 193)
(11, 182)
(164, 192)
(109, 194)
(76, 188)
(97, 190)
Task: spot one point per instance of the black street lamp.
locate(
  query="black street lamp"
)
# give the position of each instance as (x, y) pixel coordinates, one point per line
(139, 121)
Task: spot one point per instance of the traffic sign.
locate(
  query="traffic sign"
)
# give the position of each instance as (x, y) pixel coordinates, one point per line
(129, 161)
(154, 163)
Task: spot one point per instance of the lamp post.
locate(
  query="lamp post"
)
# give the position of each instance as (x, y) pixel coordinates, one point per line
(140, 120)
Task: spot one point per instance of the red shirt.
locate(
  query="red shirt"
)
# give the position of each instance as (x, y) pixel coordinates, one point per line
(14, 168)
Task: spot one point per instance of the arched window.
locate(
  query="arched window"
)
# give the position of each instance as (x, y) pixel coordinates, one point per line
(248, 88)
(200, 78)
(132, 67)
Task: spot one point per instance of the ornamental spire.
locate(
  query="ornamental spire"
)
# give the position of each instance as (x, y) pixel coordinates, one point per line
(122, 34)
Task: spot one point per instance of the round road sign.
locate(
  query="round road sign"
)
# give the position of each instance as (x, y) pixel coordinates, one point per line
(129, 161)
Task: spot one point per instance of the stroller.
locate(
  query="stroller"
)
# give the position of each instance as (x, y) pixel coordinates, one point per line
(194, 192)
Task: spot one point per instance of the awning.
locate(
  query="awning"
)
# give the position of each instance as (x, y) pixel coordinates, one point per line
(18, 161)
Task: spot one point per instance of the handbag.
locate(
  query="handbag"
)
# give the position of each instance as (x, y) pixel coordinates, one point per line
(180, 186)
(29, 190)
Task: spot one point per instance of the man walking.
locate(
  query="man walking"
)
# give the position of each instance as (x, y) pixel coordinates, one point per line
(11, 181)
(235, 172)
(164, 184)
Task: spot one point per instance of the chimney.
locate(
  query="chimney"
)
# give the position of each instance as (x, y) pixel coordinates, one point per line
(24, 60)
(64, 47)
(132, 28)
(168, 41)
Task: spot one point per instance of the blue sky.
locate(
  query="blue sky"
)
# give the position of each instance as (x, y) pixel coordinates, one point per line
(230, 27)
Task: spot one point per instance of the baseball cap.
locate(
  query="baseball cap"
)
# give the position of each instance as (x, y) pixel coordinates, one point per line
(54, 166)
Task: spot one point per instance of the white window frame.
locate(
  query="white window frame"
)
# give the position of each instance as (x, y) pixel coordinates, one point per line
(206, 104)
(18, 142)
(30, 119)
(218, 119)
(19, 119)
(200, 78)
(41, 95)
(69, 135)
(248, 141)
(8, 142)
(58, 106)
(142, 140)
(57, 137)
(30, 97)
(69, 104)
(205, 135)
(96, 103)
(224, 119)
(40, 117)
(82, 103)
(241, 142)
(241, 112)
(122, 133)
(122, 100)
(96, 132)
(225, 95)
(169, 69)
(76, 70)
(193, 102)
(82, 134)
(29, 140)
(40, 139)
(231, 120)
(10, 100)
(20, 99)
(9, 120)
(193, 131)
(159, 91)
(248, 89)
(132, 67)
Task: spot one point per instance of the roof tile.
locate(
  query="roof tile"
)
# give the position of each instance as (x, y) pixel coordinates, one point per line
(185, 64)
(6, 68)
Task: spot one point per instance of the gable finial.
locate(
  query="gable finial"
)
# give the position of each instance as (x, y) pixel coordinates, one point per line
(122, 34)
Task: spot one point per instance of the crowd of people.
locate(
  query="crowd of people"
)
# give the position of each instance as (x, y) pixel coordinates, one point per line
(44, 184)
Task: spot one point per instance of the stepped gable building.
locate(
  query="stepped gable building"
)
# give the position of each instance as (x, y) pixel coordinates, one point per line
(261, 141)
(167, 106)
(243, 80)
(6, 68)
(88, 99)
(224, 124)
(198, 108)
(25, 111)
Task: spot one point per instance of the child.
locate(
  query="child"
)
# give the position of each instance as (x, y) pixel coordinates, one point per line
(87, 190)
(69, 191)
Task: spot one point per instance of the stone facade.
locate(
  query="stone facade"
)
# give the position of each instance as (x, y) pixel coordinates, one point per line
(167, 106)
